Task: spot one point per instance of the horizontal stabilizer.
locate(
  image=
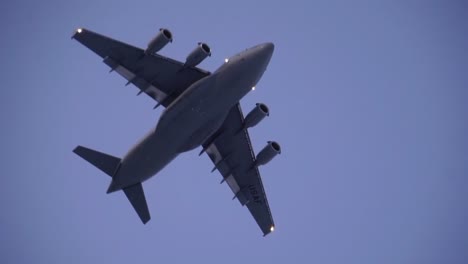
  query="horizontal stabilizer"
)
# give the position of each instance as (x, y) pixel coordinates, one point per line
(102, 161)
(136, 196)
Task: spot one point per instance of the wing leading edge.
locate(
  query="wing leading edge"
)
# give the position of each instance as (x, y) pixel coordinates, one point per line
(161, 78)
(231, 151)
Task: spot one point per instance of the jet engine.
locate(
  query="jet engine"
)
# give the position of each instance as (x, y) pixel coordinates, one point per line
(268, 153)
(256, 115)
(157, 43)
(198, 55)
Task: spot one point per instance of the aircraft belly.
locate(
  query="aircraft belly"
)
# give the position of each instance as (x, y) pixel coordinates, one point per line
(145, 159)
(183, 126)
(195, 116)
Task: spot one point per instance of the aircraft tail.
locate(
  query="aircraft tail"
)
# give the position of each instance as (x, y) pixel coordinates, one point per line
(136, 196)
(109, 165)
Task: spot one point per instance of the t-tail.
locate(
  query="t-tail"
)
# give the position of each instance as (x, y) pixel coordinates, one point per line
(110, 165)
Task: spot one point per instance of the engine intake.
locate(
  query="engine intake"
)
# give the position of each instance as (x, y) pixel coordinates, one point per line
(198, 55)
(256, 115)
(268, 153)
(157, 43)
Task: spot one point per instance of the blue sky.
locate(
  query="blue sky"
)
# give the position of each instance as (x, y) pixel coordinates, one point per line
(368, 100)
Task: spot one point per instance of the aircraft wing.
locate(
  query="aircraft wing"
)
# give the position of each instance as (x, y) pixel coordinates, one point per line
(231, 151)
(162, 78)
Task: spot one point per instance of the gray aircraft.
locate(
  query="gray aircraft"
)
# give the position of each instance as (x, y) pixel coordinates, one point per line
(202, 109)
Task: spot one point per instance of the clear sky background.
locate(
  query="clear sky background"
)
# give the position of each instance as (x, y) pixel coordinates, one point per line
(368, 100)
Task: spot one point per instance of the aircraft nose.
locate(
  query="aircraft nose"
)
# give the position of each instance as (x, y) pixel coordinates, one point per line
(263, 53)
(266, 51)
(269, 47)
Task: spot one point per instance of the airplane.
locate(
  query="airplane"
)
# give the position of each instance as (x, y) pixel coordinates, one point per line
(202, 109)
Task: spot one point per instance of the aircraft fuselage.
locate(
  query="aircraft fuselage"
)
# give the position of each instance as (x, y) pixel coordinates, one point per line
(194, 116)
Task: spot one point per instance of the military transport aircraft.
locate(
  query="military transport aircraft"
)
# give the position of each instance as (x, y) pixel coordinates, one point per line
(202, 109)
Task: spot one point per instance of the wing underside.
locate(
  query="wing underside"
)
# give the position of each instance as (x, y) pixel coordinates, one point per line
(231, 151)
(161, 78)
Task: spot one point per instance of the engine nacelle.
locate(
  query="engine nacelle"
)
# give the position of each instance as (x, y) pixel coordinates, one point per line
(268, 153)
(198, 55)
(157, 43)
(256, 115)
